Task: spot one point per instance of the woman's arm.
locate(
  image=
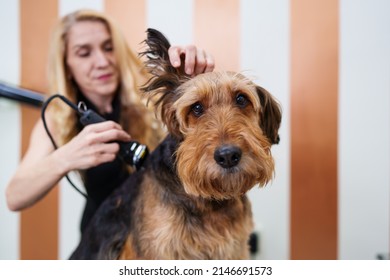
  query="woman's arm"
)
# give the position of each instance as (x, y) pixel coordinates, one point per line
(42, 167)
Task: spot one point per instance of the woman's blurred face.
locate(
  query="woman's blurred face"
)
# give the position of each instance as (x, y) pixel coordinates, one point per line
(90, 59)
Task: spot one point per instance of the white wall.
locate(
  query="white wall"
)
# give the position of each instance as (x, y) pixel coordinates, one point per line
(173, 18)
(9, 125)
(364, 129)
(265, 46)
(68, 6)
(9, 159)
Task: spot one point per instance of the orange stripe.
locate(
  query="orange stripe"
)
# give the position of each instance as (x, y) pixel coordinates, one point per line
(314, 84)
(216, 29)
(131, 17)
(39, 228)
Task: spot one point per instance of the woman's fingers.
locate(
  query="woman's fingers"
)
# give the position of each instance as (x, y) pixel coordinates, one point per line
(196, 61)
(105, 132)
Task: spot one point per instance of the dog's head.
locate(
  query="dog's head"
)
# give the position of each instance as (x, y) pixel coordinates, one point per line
(224, 122)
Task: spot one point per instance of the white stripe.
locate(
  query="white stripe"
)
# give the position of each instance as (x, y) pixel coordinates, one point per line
(71, 206)
(265, 46)
(71, 203)
(68, 6)
(10, 126)
(364, 130)
(173, 18)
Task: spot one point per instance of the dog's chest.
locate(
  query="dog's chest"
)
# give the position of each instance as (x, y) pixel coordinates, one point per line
(171, 232)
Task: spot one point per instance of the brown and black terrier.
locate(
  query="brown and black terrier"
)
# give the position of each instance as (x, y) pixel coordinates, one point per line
(189, 201)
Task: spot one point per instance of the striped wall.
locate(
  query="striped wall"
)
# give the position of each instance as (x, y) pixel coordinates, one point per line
(327, 62)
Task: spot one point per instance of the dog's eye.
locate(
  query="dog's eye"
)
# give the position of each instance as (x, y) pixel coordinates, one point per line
(241, 100)
(197, 109)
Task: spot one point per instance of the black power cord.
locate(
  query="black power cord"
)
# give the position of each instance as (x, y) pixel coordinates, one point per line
(44, 107)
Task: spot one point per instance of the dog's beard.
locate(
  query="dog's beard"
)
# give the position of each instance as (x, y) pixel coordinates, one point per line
(203, 177)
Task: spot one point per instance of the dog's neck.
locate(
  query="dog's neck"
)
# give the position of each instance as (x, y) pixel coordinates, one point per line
(162, 160)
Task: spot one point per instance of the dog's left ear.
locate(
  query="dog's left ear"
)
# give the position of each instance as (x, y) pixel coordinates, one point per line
(270, 115)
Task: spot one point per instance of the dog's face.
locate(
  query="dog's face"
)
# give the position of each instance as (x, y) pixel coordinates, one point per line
(226, 126)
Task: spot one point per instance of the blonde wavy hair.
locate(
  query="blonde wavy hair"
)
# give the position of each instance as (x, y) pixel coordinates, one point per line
(143, 127)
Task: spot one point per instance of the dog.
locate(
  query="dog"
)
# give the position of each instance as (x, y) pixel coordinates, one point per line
(189, 200)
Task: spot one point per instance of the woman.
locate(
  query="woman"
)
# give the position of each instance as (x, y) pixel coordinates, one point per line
(90, 61)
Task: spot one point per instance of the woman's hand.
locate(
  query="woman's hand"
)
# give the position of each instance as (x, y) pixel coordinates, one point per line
(196, 61)
(94, 145)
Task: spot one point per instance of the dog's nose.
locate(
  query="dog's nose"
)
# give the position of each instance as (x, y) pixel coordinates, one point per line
(227, 156)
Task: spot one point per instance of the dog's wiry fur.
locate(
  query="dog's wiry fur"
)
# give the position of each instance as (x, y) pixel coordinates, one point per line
(189, 201)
